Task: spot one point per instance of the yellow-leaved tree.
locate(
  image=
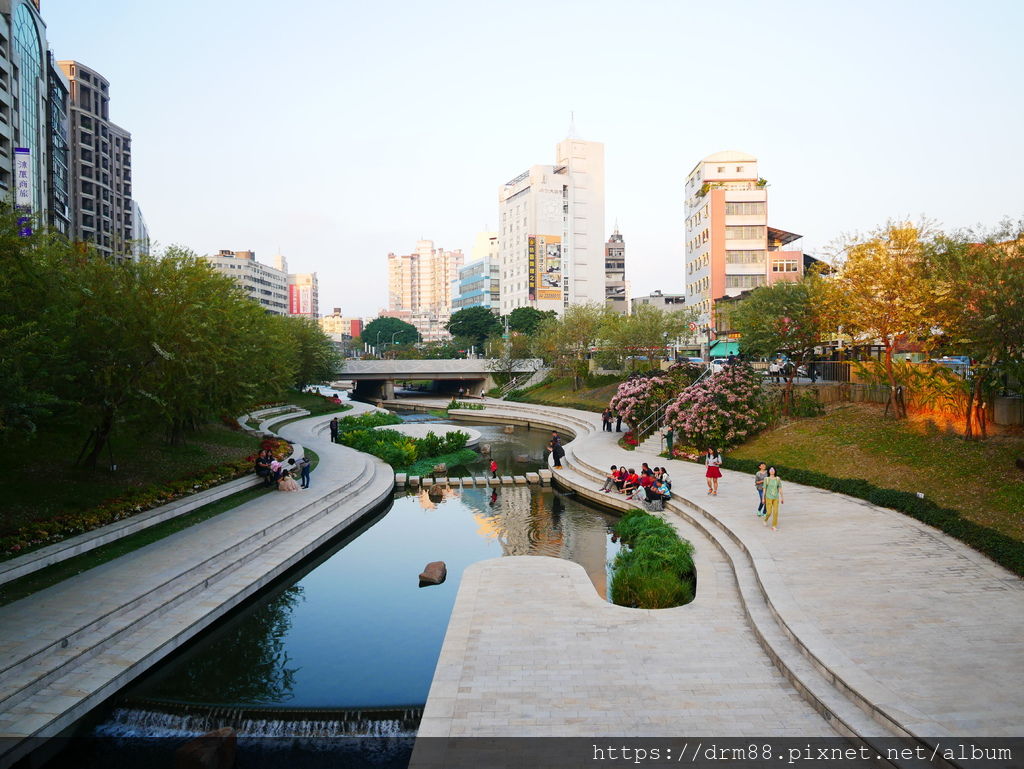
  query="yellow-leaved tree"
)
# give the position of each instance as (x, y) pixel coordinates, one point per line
(880, 292)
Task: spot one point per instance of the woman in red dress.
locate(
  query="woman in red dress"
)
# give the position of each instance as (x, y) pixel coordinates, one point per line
(713, 460)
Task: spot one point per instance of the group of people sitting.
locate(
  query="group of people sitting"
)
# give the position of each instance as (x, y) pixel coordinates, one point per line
(282, 474)
(649, 485)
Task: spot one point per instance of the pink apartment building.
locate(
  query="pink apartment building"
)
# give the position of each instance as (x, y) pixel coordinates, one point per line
(729, 246)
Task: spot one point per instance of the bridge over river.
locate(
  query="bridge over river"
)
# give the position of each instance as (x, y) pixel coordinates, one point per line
(376, 379)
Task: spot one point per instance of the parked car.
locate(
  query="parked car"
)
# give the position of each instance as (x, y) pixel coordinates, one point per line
(718, 364)
(697, 361)
(958, 364)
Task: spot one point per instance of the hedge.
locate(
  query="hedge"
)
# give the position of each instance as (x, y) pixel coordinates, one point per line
(1002, 549)
(656, 570)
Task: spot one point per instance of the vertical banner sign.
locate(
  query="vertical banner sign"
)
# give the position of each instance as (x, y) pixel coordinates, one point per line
(533, 267)
(23, 188)
(305, 300)
(293, 299)
(549, 255)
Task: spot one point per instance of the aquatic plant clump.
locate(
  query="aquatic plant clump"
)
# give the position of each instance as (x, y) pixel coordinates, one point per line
(655, 570)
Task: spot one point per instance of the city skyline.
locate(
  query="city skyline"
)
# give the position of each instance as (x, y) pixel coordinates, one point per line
(302, 142)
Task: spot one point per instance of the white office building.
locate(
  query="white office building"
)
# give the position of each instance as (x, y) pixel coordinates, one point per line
(551, 231)
(262, 283)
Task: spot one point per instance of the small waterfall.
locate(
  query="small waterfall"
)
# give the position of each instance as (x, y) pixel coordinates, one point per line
(191, 720)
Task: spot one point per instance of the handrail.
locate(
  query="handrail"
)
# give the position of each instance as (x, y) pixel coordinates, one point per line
(512, 384)
(655, 420)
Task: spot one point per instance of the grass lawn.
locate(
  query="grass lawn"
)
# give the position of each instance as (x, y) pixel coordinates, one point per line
(593, 396)
(41, 479)
(978, 479)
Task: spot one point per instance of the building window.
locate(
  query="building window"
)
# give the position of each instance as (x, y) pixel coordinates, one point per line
(745, 232)
(721, 169)
(785, 265)
(744, 257)
(744, 281)
(739, 169)
(745, 208)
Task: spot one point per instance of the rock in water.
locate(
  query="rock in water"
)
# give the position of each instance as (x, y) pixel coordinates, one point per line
(485, 448)
(523, 458)
(434, 573)
(435, 493)
(440, 469)
(213, 750)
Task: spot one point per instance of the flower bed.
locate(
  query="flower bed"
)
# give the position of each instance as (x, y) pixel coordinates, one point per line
(63, 526)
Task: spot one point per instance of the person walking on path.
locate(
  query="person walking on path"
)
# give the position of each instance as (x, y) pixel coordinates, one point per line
(334, 430)
(557, 452)
(773, 369)
(494, 468)
(669, 438)
(606, 420)
(772, 498)
(713, 460)
(304, 468)
(618, 423)
(759, 476)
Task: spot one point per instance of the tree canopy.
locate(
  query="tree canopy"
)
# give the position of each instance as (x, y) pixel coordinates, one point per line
(474, 324)
(526, 320)
(386, 330)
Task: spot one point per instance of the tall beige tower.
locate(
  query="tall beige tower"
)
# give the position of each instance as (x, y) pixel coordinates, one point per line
(551, 231)
(420, 286)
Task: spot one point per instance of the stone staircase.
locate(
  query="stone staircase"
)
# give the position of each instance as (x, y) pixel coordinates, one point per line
(123, 616)
(848, 699)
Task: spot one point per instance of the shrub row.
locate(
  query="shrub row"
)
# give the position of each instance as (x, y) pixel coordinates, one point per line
(656, 571)
(400, 451)
(1002, 549)
(61, 527)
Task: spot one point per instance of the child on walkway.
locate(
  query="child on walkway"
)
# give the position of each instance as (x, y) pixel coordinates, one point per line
(772, 498)
(494, 468)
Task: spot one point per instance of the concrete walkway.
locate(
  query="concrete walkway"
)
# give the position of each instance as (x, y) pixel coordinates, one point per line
(65, 649)
(883, 625)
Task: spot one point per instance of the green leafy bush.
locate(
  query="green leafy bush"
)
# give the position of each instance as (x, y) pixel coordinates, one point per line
(368, 421)
(656, 571)
(1002, 549)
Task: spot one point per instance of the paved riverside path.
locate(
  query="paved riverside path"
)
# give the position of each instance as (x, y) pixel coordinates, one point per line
(65, 649)
(909, 625)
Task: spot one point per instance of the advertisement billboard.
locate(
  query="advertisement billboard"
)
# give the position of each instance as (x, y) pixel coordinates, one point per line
(546, 267)
(293, 299)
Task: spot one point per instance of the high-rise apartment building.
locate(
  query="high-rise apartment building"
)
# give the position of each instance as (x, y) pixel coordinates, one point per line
(25, 115)
(729, 246)
(140, 232)
(262, 283)
(60, 215)
(551, 235)
(101, 166)
(420, 286)
(616, 287)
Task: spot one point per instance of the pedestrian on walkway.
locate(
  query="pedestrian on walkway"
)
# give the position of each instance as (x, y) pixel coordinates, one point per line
(774, 368)
(305, 466)
(669, 435)
(759, 476)
(606, 420)
(494, 468)
(772, 498)
(713, 461)
(557, 452)
(334, 430)
(618, 423)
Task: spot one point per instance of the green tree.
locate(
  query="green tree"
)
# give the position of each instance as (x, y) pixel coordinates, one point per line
(880, 291)
(978, 284)
(784, 318)
(317, 360)
(647, 333)
(475, 325)
(567, 342)
(386, 330)
(36, 322)
(526, 320)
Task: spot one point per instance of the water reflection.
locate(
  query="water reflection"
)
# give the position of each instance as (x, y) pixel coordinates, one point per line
(356, 631)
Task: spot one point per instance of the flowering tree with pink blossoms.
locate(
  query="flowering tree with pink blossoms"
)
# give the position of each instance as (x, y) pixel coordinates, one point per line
(720, 411)
(643, 394)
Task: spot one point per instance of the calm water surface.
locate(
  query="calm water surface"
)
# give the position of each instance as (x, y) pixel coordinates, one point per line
(357, 630)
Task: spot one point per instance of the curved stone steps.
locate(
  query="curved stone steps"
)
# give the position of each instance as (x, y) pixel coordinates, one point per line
(41, 659)
(840, 704)
(123, 658)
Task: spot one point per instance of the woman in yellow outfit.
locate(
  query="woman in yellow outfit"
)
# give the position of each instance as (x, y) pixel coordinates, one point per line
(772, 498)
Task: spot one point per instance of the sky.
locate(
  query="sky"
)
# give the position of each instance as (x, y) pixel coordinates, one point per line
(334, 132)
